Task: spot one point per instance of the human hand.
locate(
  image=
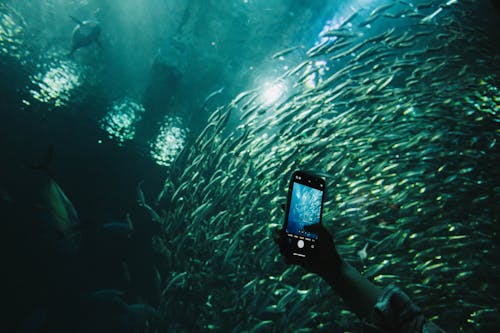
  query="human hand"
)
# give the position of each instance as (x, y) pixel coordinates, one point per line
(324, 261)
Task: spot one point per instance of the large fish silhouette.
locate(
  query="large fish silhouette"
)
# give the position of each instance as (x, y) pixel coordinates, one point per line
(59, 215)
(85, 33)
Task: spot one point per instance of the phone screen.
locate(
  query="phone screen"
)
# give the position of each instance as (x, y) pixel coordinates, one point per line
(305, 209)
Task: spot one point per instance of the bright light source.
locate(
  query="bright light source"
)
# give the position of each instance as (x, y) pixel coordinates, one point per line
(121, 120)
(57, 83)
(169, 142)
(272, 93)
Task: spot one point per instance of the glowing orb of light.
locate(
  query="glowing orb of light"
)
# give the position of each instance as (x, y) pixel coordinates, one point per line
(169, 142)
(273, 92)
(121, 120)
(56, 84)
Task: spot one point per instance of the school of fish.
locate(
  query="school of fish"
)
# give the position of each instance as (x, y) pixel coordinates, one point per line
(398, 109)
(404, 126)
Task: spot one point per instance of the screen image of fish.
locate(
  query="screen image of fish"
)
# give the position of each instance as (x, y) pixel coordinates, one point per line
(305, 209)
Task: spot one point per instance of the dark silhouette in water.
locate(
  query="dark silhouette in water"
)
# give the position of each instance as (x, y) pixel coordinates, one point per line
(158, 96)
(85, 33)
(57, 211)
(163, 84)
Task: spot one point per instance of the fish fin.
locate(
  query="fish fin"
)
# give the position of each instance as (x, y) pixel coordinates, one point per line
(76, 20)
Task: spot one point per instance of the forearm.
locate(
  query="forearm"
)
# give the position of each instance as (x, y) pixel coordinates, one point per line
(359, 294)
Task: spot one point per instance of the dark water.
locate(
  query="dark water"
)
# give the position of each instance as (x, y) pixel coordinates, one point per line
(173, 136)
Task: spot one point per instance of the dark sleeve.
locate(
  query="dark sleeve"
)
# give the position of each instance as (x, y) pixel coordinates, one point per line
(395, 312)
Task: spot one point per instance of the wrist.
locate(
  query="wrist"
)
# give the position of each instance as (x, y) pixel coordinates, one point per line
(334, 273)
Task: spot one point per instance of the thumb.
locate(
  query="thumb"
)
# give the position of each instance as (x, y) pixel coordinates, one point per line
(315, 228)
(318, 229)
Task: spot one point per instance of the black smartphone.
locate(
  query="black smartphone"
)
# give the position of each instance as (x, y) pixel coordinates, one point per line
(306, 195)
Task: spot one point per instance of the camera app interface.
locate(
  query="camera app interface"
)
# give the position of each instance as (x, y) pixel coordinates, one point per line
(305, 209)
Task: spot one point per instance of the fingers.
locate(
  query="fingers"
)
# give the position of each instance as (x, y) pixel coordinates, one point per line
(278, 236)
(315, 228)
(279, 233)
(319, 230)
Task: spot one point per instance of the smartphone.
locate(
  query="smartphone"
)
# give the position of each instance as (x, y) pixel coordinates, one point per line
(306, 195)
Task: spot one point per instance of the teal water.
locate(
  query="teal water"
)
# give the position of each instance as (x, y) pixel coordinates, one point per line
(172, 133)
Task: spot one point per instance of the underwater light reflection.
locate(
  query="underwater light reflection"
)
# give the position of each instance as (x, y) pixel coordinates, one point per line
(120, 122)
(339, 20)
(272, 92)
(169, 142)
(57, 83)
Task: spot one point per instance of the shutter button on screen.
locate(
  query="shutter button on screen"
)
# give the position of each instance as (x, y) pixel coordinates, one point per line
(300, 243)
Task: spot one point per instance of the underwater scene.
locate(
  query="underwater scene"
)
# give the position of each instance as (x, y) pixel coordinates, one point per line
(305, 208)
(147, 147)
